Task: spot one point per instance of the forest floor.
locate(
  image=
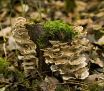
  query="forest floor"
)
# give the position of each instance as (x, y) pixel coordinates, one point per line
(27, 65)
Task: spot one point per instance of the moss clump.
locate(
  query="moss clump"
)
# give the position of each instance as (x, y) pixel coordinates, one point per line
(55, 30)
(61, 88)
(3, 65)
(98, 33)
(95, 87)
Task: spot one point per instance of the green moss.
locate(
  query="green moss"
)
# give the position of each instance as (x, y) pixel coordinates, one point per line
(55, 30)
(3, 65)
(61, 88)
(96, 87)
(98, 33)
(53, 27)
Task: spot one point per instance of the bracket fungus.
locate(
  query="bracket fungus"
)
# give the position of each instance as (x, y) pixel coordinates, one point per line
(65, 61)
(64, 48)
(26, 47)
(66, 56)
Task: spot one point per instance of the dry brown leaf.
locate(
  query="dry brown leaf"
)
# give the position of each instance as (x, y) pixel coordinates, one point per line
(6, 32)
(49, 84)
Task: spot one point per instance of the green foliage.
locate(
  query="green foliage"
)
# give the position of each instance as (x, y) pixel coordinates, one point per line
(55, 30)
(98, 33)
(57, 26)
(96, 87)
(61, 88)
(70, 5)
(3, 65)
